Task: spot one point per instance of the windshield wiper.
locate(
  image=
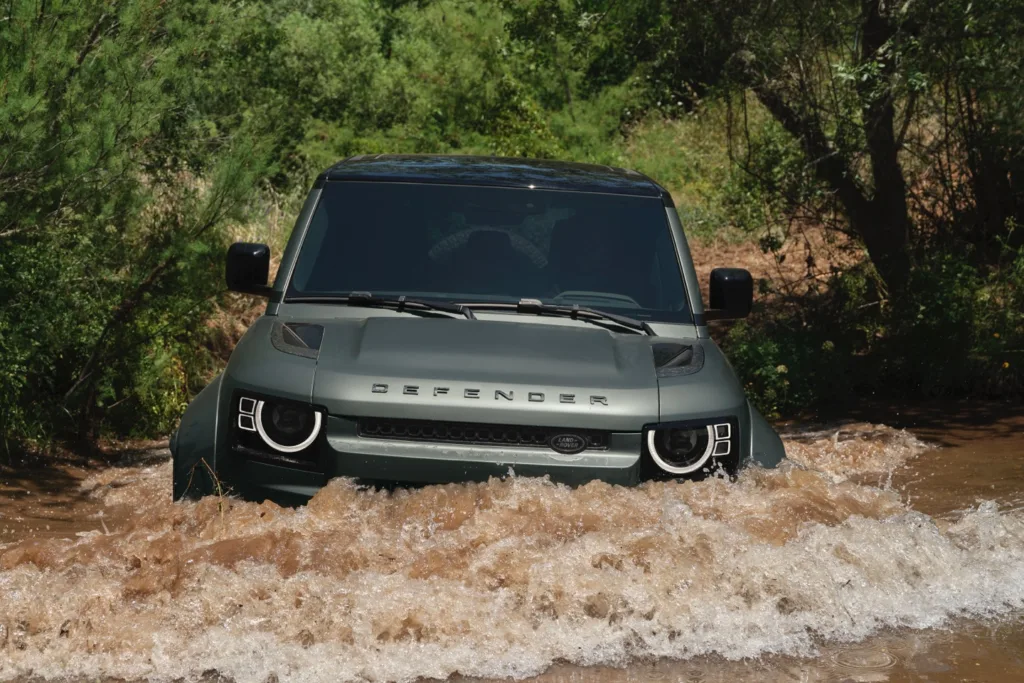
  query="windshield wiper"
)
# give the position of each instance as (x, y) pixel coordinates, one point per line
(402, 304)
(576, 312)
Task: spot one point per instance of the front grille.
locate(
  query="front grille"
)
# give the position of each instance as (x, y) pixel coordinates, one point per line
(474, 433)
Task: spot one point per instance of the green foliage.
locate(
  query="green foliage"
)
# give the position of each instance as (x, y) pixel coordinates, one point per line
(109, 244)
(136, 138)
(963, 330)
(698, 168)
(339, 77)
(960, 331)
(769, 180)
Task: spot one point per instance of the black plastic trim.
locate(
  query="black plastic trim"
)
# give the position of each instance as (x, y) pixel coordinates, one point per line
(275, 458)
(285, 338)
(692, 367)
(469, 433)
(494, 171)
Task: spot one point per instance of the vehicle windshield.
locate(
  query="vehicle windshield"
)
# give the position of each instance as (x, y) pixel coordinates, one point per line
(482, 244)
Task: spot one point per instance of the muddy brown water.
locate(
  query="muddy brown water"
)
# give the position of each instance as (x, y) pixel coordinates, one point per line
(889, 548)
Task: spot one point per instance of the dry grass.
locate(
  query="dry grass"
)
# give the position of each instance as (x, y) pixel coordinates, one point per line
(801, 265)
(233, 316)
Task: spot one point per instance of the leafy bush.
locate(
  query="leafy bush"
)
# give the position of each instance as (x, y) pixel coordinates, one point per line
(107, 237)
(958, 331)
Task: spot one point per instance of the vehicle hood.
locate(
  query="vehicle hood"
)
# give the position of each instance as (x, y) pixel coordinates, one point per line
(486, 371)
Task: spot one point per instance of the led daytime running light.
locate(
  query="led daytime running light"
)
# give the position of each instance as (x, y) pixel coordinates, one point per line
(247, 420)
(718, 445)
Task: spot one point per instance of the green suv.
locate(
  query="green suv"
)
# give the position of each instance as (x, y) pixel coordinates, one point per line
(454, 318)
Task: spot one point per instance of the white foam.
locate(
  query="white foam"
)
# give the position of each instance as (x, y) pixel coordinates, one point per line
(495, 580)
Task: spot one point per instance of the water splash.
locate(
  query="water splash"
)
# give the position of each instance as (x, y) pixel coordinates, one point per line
(854, 449)
(500, 579)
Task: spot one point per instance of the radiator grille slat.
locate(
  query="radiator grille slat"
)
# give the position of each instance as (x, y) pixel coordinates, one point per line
(519, 436)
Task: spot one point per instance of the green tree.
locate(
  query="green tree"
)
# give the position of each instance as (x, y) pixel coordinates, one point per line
(114, 192)
(906, 115)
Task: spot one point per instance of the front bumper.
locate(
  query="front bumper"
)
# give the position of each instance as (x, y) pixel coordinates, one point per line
(343, 453)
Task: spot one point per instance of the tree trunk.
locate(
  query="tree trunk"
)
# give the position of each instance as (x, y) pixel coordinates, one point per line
(887, 235)
(885, 228)
(878, 215)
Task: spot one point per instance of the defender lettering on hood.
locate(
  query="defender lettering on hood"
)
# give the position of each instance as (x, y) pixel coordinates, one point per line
(499, 395)
(513, 371)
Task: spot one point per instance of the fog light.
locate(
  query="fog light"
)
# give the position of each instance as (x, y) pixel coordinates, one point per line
(284, 426)
(683, 450)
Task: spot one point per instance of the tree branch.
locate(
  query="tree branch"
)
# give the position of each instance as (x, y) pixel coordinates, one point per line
(829, 165)
(908, 115)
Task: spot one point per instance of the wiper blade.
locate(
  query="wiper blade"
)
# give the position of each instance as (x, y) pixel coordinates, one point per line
(576, 312)
(402, 304)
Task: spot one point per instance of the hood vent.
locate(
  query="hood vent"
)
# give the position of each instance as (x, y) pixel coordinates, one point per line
(674, 360)
(298, 339)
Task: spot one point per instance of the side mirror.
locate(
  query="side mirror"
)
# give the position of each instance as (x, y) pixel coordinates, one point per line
(732, 294)
(248, 268)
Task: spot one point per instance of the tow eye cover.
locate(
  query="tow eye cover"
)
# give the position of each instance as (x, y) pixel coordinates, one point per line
(569, 444)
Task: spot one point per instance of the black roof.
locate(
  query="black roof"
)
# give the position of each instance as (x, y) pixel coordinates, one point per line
(494, 172)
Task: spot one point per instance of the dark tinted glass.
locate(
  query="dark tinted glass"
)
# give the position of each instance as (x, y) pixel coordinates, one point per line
(460, 243)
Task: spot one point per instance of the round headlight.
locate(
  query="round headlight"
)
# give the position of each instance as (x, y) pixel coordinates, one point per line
(680, 451)
(287, 427)
(288, 420)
